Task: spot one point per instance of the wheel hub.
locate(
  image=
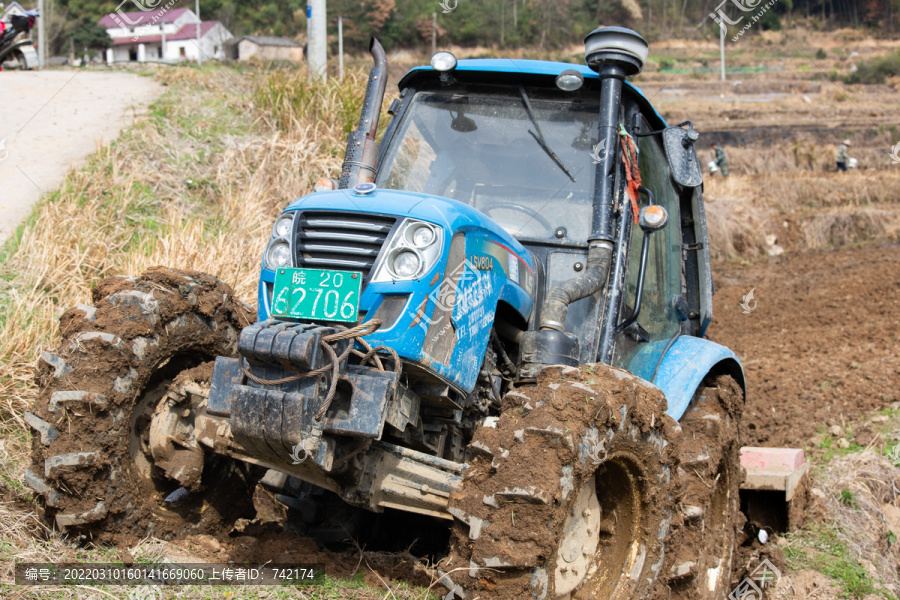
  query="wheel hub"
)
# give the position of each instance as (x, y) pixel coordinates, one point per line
(601, 550)
(580, 537)
(172, 442)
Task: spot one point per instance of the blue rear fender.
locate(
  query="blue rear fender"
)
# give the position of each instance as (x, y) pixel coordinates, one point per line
(447, 314)
(686, 363)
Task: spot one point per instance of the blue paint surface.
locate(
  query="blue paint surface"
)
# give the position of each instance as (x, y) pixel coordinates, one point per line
(682, 369)
(525, 67)
(476, 298)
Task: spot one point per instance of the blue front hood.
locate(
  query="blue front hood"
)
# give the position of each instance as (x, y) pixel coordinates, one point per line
(444, 319)
(451, 214)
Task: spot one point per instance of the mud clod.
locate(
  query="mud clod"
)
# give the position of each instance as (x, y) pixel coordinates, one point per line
(107, 338)
(56, 465)
(60, 367)
(51, 496)
(702, 540)
(70, 520)
(530, 494)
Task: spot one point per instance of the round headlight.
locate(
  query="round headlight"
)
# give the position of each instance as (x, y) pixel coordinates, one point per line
(278, 255)
(443, 61)
(283, 226)
(423, 236)
(569, 80)
(406, 264)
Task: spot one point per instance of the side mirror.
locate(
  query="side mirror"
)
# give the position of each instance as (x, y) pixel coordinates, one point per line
(682, 157)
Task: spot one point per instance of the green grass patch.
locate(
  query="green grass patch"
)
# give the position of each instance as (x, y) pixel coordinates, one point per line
(822, 550)
(848, 498)
(830, 448)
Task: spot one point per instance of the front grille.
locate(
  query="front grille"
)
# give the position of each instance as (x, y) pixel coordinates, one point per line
(336, 240)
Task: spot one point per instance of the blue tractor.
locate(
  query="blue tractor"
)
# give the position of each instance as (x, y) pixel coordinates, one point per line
(494, 318)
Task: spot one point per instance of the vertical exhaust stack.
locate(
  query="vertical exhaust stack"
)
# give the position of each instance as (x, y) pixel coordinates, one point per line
(362, 149)
(614, 53)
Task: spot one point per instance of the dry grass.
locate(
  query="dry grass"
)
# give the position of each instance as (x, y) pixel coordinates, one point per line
(850, 541)
(196, 184)
(871, 482)
(801, 210)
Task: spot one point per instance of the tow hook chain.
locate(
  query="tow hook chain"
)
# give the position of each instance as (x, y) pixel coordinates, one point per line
(356, 334)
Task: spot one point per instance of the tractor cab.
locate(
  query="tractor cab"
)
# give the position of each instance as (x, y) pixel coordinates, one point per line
(519, 141)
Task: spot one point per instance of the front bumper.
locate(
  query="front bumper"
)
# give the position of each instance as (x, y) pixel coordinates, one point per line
(275, 425)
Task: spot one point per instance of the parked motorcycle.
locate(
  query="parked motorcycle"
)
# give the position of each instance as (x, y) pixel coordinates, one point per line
(18, 53)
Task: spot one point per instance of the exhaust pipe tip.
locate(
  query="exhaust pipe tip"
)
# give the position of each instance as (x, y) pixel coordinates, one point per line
(616, 46)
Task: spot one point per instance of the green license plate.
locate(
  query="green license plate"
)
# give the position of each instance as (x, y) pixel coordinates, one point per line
(317, 294)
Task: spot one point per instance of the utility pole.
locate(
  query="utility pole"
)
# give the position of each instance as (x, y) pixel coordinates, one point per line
(316, 39)
(199, 49)
(433, 33)
(502, 23)
(722, 48)
(341, 48)
(42, 38)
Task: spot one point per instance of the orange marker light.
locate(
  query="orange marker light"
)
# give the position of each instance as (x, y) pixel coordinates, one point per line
(653, 217)
(655, 214)
(323, 184)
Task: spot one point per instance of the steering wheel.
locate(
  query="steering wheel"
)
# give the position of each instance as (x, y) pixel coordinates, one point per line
(523, 209)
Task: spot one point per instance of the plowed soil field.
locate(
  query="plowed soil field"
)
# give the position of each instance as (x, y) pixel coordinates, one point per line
(820, 346)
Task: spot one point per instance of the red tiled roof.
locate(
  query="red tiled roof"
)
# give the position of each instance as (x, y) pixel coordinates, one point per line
(138, 18)
(188, 32)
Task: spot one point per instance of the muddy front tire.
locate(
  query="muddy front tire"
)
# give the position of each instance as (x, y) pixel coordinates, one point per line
(702, 543)
(569, 495)
(118, 360)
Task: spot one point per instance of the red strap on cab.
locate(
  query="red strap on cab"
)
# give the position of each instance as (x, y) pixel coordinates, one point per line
(632, 172)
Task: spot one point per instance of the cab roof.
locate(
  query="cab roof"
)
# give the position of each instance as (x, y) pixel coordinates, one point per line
(523, 70)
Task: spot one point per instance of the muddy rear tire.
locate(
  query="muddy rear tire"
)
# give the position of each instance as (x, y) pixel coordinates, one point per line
(703, 535)
(117, 361)
(17, 61)
(570, 494)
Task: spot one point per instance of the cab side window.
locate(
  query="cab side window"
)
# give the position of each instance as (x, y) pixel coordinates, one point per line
(663, 278)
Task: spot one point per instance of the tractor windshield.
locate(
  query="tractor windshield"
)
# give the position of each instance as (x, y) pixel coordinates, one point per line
(522, 156)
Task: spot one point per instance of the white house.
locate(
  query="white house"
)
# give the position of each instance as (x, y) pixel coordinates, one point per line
(13, 8)
(163, 35)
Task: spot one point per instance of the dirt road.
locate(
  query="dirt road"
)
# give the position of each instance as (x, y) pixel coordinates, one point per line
(50, 121)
